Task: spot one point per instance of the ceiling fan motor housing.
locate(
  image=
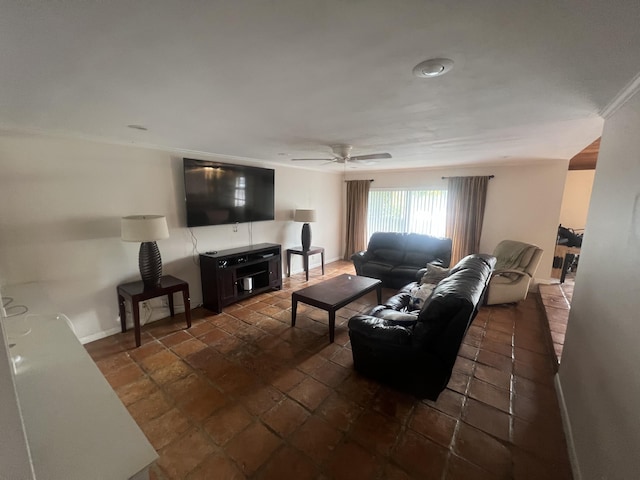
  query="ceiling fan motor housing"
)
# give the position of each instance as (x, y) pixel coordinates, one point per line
(342, 151)
(342, 154)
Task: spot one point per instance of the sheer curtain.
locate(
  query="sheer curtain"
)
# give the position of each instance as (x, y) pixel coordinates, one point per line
(357, 205)
(466, 199)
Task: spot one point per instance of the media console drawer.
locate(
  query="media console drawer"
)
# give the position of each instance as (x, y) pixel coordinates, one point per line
(229, 276)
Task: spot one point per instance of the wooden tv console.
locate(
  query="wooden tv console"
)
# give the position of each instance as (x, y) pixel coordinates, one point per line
(229, 276)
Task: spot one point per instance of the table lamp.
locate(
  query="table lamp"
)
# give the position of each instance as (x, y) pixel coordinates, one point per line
(147, 229)
(305, 216)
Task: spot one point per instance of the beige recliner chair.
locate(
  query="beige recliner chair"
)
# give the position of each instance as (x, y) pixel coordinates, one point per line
(516, 265)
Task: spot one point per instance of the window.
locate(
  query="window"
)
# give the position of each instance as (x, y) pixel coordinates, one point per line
(240, 198)
(401, 210)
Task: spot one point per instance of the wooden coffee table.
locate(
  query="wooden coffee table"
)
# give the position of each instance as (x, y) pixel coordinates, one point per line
(333, 294)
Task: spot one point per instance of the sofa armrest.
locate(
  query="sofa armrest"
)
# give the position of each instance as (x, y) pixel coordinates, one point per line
(360, 256)
(359, 259)
(390, 333)
(509, 272)
(398, 301)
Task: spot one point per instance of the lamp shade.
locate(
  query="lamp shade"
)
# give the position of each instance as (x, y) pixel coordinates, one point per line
(304, 216)
(144, 228)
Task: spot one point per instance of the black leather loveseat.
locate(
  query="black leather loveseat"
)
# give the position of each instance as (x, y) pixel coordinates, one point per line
(415, 351)
(396, 258)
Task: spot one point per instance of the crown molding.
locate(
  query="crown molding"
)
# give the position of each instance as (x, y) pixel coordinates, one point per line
(622, 97)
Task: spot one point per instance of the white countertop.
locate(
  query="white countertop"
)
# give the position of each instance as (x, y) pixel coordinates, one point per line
(76, 426)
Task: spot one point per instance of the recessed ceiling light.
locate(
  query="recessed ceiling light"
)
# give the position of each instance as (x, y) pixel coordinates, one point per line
(138, 127)
(433, 67)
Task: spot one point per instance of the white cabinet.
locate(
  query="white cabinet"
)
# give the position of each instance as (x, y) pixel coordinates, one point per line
(76, 427)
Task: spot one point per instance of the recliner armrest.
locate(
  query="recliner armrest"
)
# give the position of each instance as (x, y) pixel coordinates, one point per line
(507, 272)
(378, 329)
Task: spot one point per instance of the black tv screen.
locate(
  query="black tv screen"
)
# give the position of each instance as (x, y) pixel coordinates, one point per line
(221, 193)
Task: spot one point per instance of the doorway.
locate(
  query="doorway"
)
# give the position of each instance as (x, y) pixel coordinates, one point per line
(557, 296)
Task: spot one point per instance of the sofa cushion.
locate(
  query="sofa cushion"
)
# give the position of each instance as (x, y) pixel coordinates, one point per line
(393, 256)
(409, 273)
(395, 317)
(376, 269)
(387, 246)
(423, 249)
(459, 292)
(419, 294)
(434, 274)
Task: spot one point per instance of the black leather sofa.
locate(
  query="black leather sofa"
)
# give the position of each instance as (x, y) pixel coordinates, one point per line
(396, 258)
(415, 352)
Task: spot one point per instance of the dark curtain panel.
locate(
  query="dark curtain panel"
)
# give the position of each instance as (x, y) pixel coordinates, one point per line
(466, 199)
(357, 207)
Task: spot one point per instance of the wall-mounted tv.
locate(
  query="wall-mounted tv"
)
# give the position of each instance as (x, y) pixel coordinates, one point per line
(221, 193)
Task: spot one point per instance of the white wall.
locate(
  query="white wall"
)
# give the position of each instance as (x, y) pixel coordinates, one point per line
(599, 375)
(523, 201)
(576, 197)
(60, 206)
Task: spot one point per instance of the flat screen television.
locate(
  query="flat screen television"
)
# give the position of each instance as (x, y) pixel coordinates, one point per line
(221, 193)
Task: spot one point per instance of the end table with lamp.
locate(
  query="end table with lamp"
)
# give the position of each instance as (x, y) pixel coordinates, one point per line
(137, 292)
(305, 255)
(304, 216)
(147, 229)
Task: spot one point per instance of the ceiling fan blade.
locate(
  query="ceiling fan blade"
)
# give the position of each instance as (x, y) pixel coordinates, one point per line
(312, 159)
(373, 156)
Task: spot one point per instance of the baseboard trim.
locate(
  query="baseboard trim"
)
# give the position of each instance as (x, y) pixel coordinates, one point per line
(97, 336)
(163, 313)
(568, 432)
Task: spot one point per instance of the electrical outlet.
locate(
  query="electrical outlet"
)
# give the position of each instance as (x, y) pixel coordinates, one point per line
(145, 306)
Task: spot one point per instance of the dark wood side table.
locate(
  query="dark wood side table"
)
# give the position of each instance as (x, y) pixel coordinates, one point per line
(136, 293)
(305, 255)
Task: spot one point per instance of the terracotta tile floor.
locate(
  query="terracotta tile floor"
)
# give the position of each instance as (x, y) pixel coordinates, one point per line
(556, 302)
(244, 395)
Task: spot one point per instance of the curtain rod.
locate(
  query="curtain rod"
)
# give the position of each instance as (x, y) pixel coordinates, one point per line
(370, 179)
(490, 176)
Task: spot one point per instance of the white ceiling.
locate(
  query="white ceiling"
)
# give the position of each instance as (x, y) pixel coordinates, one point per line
(259, 79)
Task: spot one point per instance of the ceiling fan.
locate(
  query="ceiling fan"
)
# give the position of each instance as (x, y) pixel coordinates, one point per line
(342, 154)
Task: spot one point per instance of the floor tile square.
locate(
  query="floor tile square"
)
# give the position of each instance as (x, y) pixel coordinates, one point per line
(351, 461)
(316, 438)
(252, 447)
(482, 450)
(420, 456)
(285, 417)
(433, 424)
(310, 393)
(227, 422)
(184, 454)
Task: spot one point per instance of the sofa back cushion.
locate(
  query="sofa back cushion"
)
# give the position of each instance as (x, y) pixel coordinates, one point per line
(455, 298)
(422, 249)
(409, 248)
(387, 247)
